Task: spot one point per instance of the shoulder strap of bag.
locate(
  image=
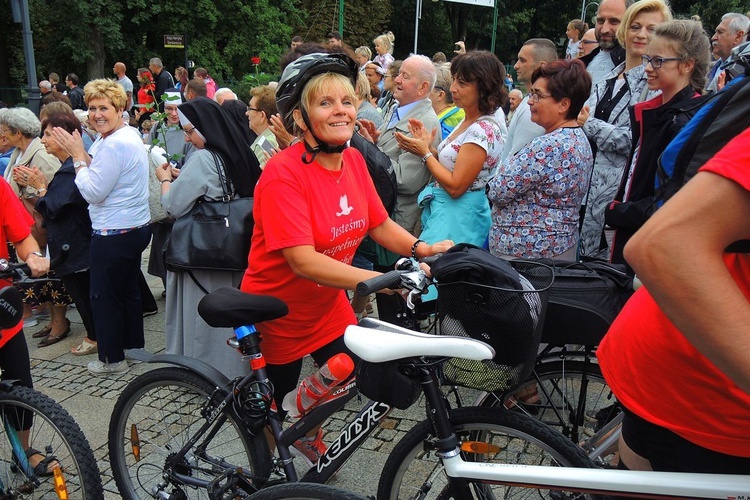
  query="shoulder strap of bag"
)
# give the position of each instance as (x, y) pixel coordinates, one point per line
(226, 186)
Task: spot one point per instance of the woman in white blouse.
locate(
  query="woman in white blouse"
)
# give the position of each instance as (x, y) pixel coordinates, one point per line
(113, 178)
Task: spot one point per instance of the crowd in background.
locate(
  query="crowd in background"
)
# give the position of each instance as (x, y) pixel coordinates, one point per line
(558, 163)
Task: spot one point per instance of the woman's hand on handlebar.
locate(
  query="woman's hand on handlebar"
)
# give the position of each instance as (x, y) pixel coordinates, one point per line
(38, 266)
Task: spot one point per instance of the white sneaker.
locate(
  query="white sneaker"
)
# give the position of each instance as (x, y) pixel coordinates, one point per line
(100, 368)
(30, 321)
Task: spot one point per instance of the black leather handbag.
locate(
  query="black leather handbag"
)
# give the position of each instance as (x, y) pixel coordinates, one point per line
(214, 235)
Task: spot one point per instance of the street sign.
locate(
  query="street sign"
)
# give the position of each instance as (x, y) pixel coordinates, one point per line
(174, 41)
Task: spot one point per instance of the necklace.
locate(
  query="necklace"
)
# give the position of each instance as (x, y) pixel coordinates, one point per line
(341, 173)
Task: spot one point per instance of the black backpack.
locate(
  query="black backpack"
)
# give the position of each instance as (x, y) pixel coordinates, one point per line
(380, 168)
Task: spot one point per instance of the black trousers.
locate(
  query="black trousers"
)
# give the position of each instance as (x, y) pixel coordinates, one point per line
(116, 299)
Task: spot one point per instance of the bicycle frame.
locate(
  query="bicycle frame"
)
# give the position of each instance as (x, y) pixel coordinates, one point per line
(339, 451)
(603, 481)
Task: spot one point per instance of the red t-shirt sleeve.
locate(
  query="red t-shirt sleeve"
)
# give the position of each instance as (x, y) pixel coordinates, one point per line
(732, 160)
(16, 220)
(16, 226)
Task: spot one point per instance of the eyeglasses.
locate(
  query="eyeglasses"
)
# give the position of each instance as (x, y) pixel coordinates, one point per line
(658, 62)
(535, 96)
(253, 109)
(188, 132)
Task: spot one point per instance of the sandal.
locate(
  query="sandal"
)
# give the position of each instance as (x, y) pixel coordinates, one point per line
(527, 402)
(84, 348)
(42, 467)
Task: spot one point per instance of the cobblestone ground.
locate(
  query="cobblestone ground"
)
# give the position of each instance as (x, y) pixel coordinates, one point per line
(90, 400)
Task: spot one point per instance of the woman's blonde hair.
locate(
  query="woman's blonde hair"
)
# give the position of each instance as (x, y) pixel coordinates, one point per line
(386, 39)
(363, 88)
(105, 88)
(363, 51)
(638, 8)
(320, 84)
(688, 40)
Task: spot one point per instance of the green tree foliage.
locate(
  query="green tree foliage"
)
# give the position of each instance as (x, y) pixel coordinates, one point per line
(363, 21)
(87, 37)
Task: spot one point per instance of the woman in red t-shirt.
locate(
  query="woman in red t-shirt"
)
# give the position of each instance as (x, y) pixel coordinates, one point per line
(677, 355)
(15, 227)
(314, 204)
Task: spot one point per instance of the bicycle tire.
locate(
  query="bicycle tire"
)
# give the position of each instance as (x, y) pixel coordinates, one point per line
(160, 411)
(559, 387)
(53, 433)
(305, 491)
(412, 470)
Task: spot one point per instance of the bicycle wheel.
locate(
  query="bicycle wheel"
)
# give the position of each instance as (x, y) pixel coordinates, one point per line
(305, 491)
(53, 433)
(562, 403)
(155, 417)
(413, 470)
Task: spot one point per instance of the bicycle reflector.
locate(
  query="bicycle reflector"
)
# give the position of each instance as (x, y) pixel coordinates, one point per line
(135, 443)
(61, 489)
(480, 447)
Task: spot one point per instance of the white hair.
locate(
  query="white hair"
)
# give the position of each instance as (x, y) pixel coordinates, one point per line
(224, 91)
(737, 22)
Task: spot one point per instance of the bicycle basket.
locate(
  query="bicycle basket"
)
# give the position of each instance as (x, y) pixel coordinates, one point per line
(508, 319)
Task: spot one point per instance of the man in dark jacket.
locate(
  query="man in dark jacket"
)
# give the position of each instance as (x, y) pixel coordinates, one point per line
(75, 93)
(609, 54)
(162, 80)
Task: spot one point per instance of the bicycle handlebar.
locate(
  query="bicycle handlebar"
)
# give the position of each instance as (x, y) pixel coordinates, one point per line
(21, 271)
(407, 275)
(391, 279)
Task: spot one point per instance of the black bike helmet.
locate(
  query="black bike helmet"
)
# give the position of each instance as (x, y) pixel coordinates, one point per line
(289, 91)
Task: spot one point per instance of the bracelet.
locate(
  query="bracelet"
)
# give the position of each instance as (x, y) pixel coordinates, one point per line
(166, 180)
(414, 249)
(38, 254)
(427, 157)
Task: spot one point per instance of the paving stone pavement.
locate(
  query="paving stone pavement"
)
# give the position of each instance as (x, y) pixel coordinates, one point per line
(90, 400)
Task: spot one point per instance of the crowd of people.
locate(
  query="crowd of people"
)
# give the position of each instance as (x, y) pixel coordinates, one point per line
(562, 166)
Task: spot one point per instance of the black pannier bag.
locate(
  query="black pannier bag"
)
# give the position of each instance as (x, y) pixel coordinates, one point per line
(386, 382)
(496, 301)
(584, 300)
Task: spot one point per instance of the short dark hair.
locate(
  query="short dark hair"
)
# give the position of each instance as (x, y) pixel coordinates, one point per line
(197, 87)
(72, 78)
(67, 121)
(485, 70)
(334, 34)
(297, 38)
(566, 78)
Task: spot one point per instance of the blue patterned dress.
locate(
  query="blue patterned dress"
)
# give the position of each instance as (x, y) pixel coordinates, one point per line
(537, 193)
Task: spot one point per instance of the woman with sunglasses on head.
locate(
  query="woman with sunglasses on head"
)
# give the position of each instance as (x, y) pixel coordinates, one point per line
(537, 192)
(676, 63)
(606, 120)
